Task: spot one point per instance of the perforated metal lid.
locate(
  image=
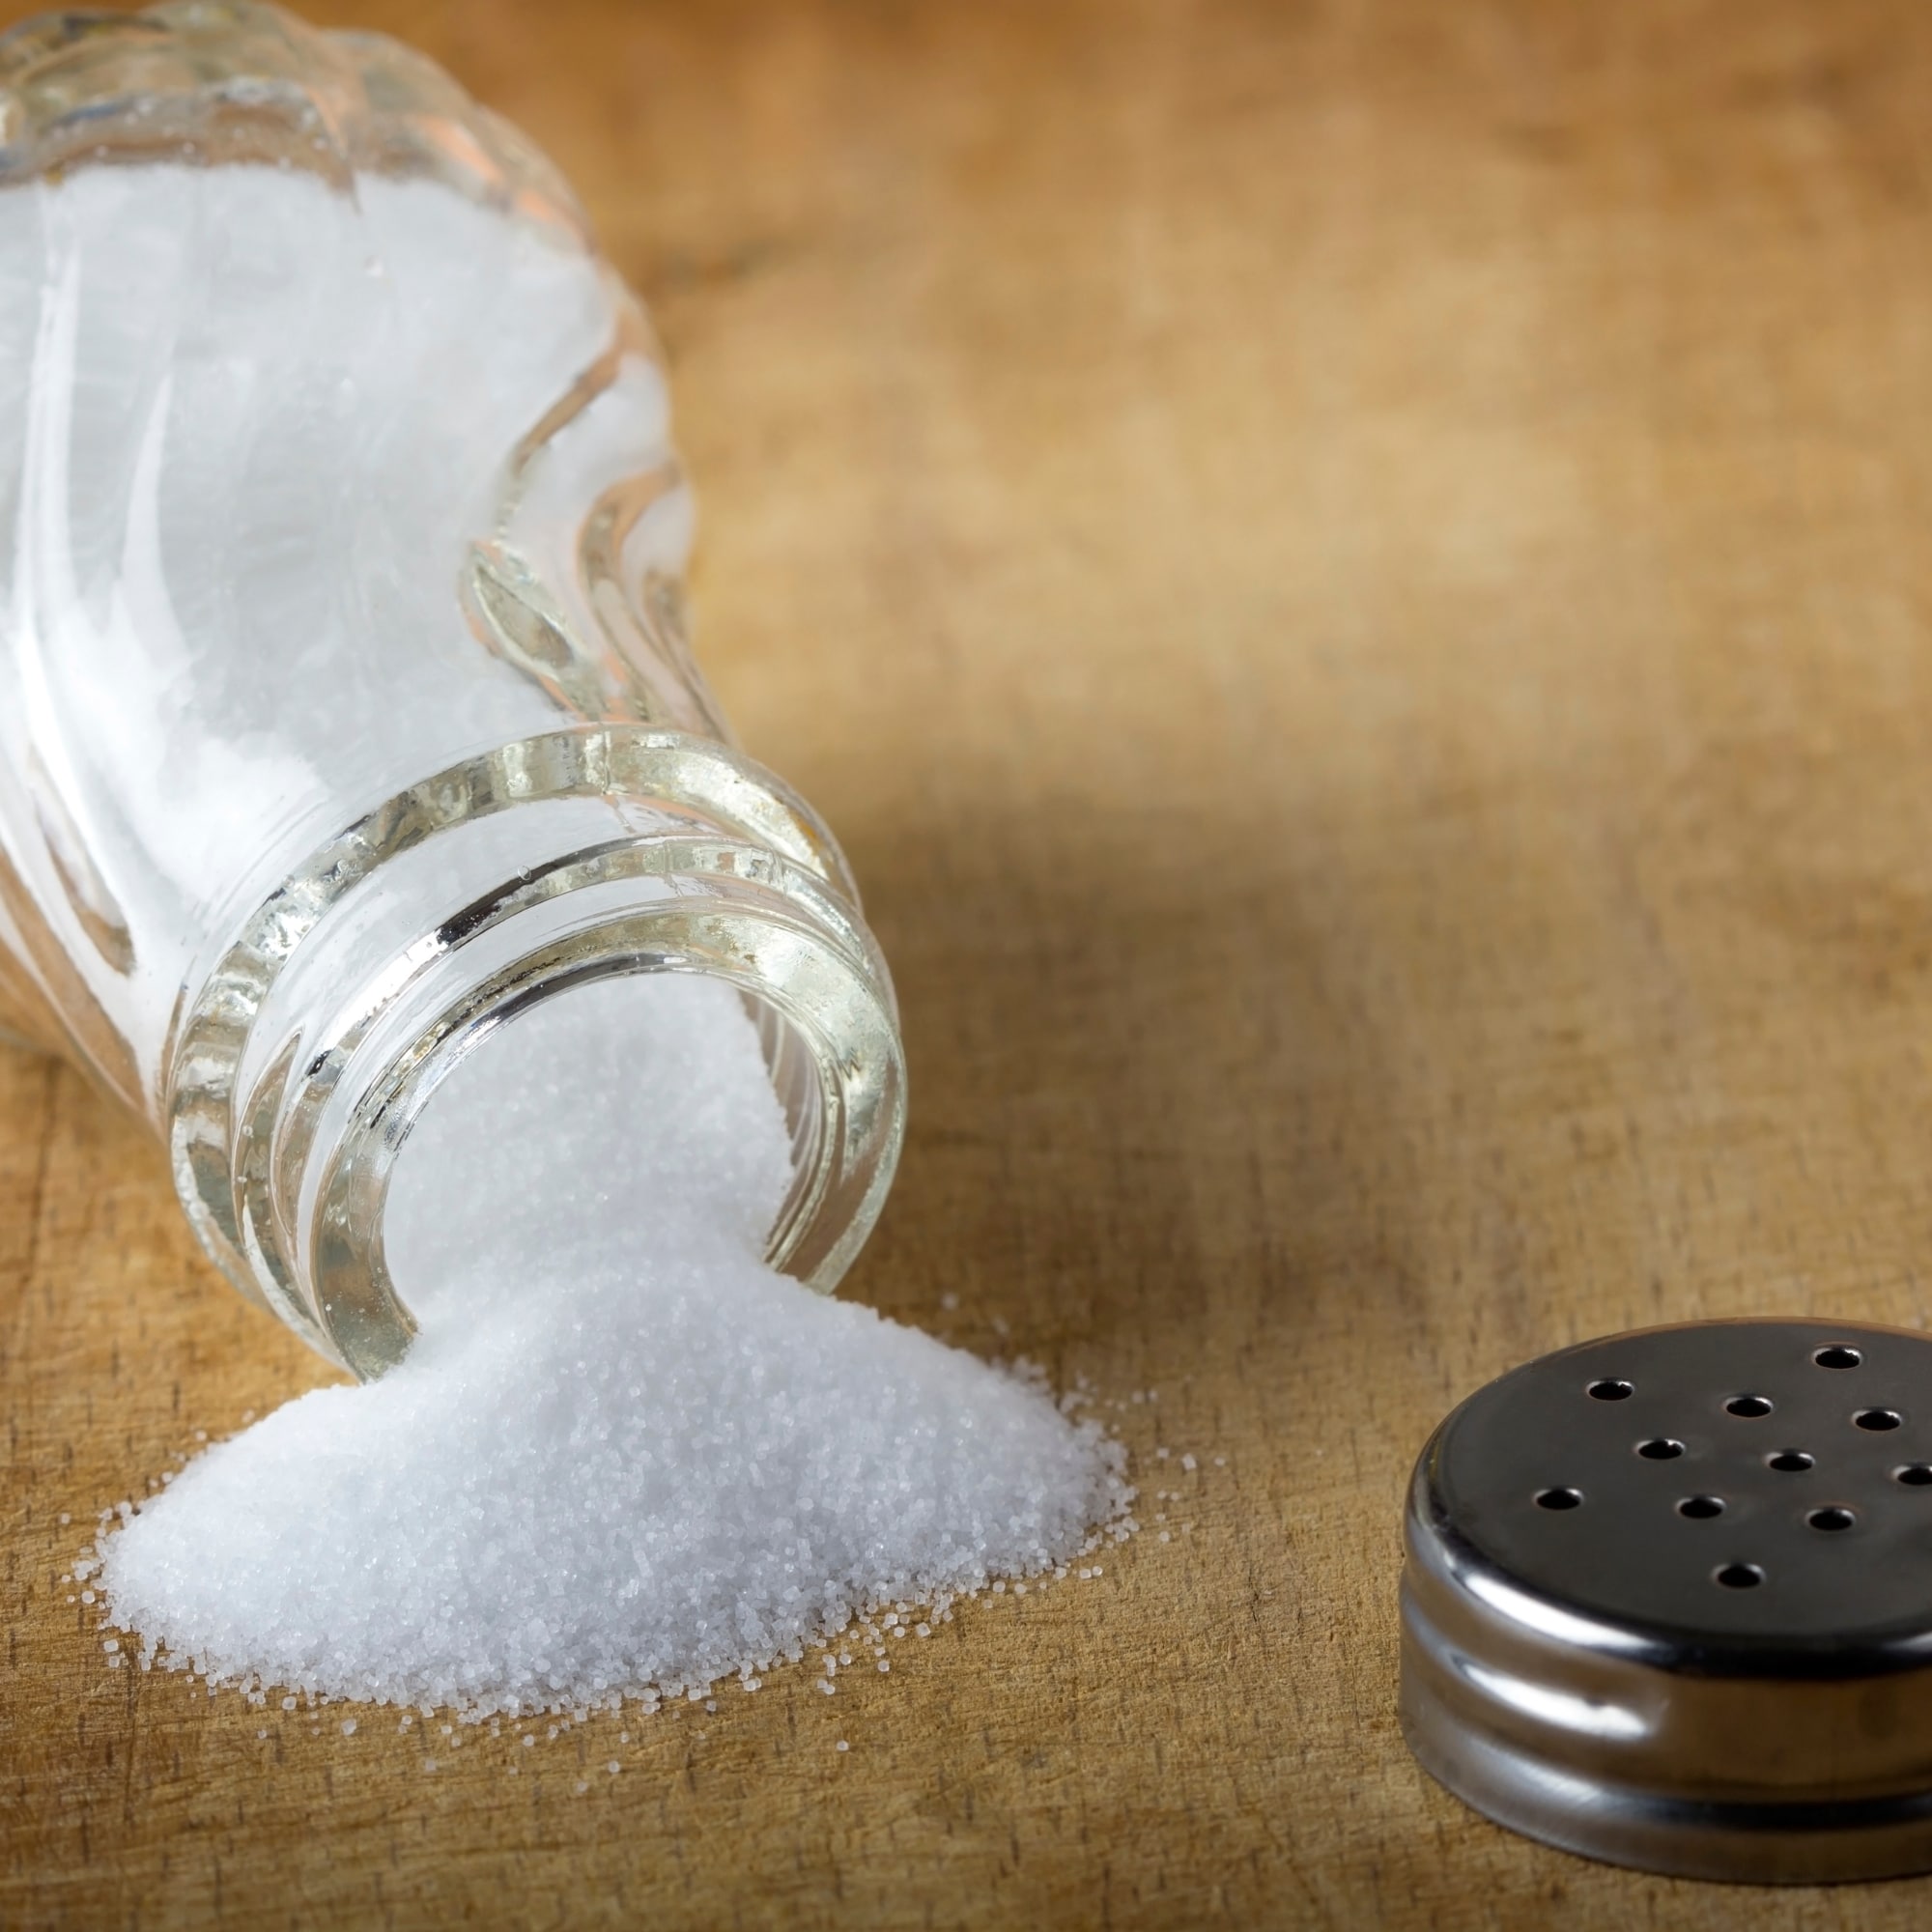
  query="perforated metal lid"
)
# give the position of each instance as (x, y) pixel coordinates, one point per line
(1668, 1601)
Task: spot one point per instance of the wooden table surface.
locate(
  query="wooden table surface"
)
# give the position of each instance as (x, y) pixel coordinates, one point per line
(1355, 578)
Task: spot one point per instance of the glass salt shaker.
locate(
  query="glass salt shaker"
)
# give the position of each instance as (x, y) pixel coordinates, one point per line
(346, 707)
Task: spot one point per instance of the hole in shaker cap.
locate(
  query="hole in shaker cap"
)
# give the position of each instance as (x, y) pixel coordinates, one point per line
(1790, 1462)
(1660, 1449)
(1915, 1475)
(1612, 1390)
(1558, 1499)
(1700, 1506)
(1878, 1418)
(1749, 1407)
(1833, 1518)
(1738, 1576)
(1837, 1356)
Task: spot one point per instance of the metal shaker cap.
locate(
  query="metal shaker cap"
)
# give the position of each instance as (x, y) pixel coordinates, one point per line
(1668, 1601)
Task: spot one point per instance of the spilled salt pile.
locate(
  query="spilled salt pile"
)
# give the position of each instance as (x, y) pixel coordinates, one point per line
(622, 1453)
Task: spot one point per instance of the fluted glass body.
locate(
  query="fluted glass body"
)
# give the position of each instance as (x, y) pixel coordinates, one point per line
(345, 703)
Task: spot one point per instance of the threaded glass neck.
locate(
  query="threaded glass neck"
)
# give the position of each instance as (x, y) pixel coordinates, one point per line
(294, 1076)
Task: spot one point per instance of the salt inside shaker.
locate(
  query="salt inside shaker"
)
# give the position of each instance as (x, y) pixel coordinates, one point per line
(346, 707)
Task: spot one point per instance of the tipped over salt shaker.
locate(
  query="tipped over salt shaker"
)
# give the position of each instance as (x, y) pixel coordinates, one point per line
(346, 707)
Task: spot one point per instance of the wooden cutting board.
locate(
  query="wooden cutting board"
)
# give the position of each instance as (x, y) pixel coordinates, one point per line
(1356, 579)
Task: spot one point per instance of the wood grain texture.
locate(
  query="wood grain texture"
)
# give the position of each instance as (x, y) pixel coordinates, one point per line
(1355, 580)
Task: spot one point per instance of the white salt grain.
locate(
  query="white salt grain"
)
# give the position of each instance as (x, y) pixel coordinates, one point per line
(622, 1452)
